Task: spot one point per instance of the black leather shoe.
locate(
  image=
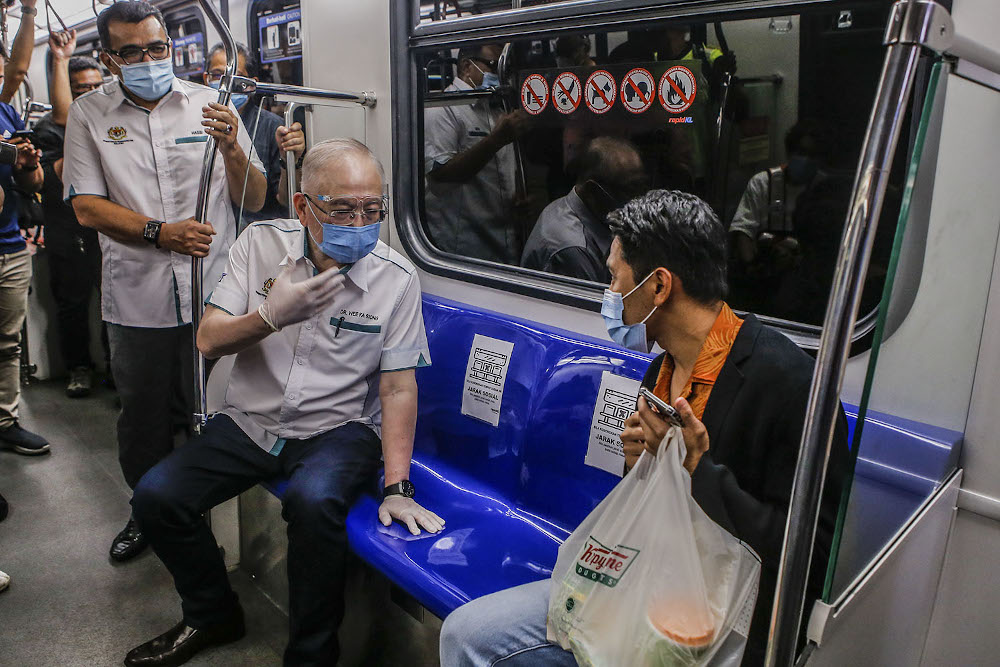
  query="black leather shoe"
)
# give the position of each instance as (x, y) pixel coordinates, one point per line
(182, 642)
(129, 543)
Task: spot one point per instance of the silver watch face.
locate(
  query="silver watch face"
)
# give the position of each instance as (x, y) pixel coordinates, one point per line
(406, 488)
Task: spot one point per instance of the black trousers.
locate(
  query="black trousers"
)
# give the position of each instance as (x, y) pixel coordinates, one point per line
(151, 368)
(326, 474)
(75, 270)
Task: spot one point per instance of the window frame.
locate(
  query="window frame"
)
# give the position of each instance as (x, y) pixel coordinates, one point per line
(408, 36)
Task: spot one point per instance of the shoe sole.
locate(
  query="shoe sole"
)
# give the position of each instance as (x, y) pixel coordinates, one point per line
(27, 451)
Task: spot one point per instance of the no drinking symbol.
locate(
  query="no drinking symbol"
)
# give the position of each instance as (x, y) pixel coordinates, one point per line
(534, 94)
(599, 93)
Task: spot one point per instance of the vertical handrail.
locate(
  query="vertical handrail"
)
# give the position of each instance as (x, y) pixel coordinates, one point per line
(291, 171)
(910, 27)
(201, 209)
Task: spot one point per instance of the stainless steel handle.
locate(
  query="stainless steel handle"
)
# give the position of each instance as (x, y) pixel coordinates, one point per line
(911, 25)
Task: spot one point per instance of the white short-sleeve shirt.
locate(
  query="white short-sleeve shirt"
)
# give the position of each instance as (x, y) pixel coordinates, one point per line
(472, 218)
(314, 376)
(149, 162)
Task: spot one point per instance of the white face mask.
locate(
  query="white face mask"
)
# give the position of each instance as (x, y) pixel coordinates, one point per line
(631, 336)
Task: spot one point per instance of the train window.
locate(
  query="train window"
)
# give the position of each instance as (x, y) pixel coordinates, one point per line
(442, 10)
(275, 30)
(186, 28)
(527, 142)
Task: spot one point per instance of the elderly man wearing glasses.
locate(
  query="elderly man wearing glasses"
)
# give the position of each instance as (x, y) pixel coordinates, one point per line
(133, 154)
(326, 325)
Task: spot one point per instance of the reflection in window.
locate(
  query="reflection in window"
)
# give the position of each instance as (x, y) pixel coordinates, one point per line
(529, 144)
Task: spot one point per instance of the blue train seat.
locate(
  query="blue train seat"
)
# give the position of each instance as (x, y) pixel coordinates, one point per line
(511, 494)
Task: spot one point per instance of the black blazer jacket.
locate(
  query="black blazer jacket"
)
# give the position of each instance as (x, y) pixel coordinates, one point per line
(754, 417)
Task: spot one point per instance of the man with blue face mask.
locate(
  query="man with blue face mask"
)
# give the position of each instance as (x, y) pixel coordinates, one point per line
(262, 126)
(133, 156)
(470, 166)
(740, 389)
(325, 321)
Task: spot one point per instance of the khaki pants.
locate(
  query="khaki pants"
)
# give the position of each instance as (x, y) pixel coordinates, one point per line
(15, 277)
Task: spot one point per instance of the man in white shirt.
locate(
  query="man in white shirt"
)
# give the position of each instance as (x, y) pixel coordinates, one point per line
(325, 321)
(470, 167)
(133, 156)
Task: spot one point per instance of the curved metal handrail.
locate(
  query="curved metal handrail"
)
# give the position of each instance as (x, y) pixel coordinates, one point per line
(913, 25)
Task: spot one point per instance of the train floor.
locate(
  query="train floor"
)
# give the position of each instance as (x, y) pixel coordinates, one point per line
(68, 604)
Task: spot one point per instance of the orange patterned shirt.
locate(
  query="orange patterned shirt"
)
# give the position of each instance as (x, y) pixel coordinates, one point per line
(710, 360)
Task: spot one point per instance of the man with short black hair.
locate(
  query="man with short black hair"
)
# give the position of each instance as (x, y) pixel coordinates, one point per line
(571, 237)
(741, 390)
(73, 250)
(134, 152)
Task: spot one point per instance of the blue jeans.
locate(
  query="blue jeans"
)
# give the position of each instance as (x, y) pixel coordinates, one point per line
(326, 474)
(506, 629)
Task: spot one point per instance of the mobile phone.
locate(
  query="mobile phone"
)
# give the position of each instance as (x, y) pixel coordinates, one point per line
(662, 408)
(23, 134)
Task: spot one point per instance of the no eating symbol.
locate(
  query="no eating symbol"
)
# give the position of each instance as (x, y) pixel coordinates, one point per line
(534, 94)
(637, 90)
(567, 93)
(600, 91)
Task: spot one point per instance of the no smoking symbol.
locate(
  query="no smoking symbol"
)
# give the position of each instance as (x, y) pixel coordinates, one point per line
(638, 90)
(677, 89)
(567, 91)
(534, 94)
(600, 91)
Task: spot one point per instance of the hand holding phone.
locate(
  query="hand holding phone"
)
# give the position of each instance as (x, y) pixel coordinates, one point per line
(662, 408)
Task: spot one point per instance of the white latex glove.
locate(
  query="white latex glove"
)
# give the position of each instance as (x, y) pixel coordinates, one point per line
(408, 511)
(291, 303)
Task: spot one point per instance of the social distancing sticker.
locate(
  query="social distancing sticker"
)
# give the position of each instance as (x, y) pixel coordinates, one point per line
(485, 377)
(638, 90)
(534, 94)
(599, 93)
(677, 89)
(615, 402)
(567, 93)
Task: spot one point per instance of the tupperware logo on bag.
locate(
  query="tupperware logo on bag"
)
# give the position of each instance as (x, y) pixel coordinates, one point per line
(604, 565)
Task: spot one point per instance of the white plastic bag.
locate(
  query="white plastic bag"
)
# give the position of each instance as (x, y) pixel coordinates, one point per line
(648, 580)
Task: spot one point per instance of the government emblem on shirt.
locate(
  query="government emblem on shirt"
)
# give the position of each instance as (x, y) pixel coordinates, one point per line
(117, 133)
(266, 287)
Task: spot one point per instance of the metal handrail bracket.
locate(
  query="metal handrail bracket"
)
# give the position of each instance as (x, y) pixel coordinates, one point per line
(913, 25)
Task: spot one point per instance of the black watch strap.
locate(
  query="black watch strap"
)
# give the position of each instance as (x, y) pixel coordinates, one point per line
(404, 488)
(298, 162)
(151, 233)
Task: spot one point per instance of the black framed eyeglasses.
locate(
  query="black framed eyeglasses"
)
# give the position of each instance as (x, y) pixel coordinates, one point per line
(136, 54)
(492, 64)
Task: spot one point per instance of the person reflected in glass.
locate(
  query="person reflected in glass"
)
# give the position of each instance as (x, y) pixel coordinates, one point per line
(470, 166)
(571, 237)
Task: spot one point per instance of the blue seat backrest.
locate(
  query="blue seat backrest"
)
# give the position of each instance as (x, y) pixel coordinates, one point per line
(535, 456)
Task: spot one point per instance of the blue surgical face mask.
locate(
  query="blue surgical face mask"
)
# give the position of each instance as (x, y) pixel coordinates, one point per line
(343, 243)
(239, 99)
(150, 79)
(801, 169)
(490, 79)
(631, 336)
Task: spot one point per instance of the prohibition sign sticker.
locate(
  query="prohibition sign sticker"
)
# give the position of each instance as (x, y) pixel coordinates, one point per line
(567, 92)
(638, 90)
(534, 94)
(599, 93)
(677, 89)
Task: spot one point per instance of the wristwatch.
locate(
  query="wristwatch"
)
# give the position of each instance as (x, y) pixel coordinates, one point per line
(298, 162)
(28, 11)
(404, 488)
(152, 232)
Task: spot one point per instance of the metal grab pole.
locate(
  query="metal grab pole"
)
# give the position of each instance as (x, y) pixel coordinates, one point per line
(291, 171)
(913, 24)
(208, 165)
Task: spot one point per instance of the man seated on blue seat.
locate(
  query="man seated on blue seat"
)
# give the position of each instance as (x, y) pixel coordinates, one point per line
(326, 325)
(741, 389)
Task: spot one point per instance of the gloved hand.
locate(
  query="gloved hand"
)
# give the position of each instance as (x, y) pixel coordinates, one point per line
(291, 303)
(408, 511)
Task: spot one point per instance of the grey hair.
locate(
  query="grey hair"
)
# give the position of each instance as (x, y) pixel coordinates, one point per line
(241, 49)
(326, 153)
